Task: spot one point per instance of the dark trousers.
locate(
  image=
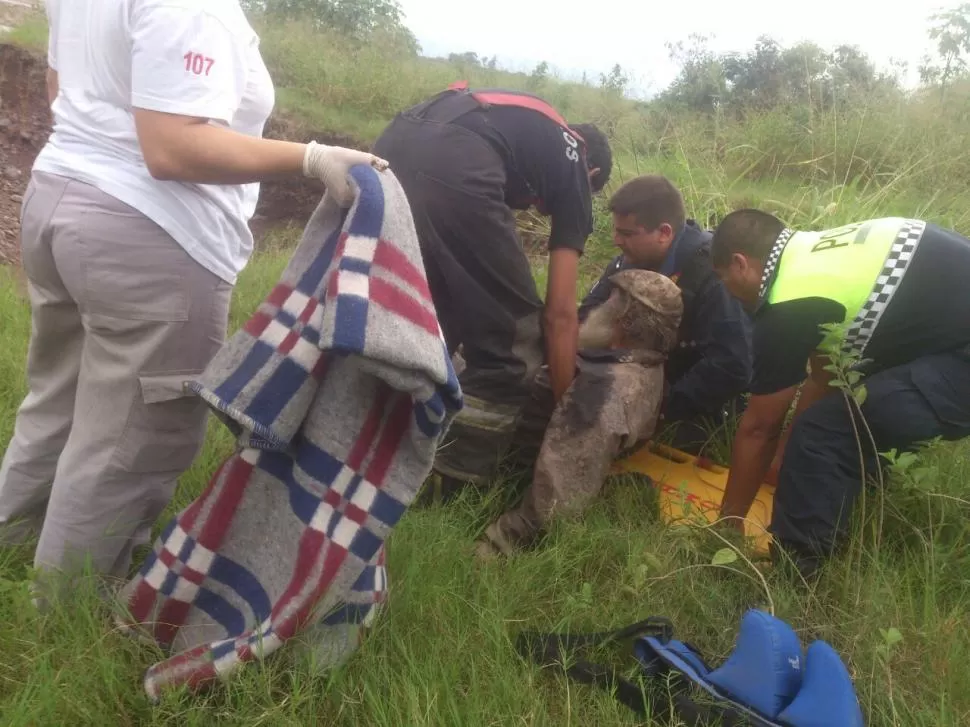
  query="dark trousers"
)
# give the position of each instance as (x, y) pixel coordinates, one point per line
(708, 434)
(479, 276)
(821, 479)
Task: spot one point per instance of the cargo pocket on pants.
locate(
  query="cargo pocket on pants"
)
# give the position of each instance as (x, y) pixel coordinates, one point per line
(166, 427)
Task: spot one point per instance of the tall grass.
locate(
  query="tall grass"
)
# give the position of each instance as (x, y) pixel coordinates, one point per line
(442, 654)
(896, 152)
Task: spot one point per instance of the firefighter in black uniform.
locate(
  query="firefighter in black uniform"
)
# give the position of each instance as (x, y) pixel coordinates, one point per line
(898, 287)
(466, 160)
(708, 372)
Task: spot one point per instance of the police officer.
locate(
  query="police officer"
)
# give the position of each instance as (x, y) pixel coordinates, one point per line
(709, 370)
(899, 286)
(466, 159)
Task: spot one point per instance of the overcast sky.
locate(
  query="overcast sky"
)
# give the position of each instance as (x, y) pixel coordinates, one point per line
(633, 32)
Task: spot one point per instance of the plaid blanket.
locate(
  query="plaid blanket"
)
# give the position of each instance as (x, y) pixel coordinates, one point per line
(338, 389)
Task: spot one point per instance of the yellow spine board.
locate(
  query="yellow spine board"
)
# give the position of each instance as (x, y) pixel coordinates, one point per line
(691, 488)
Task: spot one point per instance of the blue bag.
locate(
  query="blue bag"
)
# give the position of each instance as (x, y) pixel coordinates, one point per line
(766, 681)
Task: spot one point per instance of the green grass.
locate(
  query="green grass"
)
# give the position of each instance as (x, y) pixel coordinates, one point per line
(31, 34)
(442, 654)
(896, 606)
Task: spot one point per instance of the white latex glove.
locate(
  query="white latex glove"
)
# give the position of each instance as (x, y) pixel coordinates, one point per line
(331, 164)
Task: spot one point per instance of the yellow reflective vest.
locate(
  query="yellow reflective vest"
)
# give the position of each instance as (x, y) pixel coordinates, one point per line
(858, 265)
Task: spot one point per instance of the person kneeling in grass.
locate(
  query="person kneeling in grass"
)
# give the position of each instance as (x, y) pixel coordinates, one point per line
(612, 406)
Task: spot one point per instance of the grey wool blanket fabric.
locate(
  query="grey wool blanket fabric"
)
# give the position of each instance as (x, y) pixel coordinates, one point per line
(339, 389)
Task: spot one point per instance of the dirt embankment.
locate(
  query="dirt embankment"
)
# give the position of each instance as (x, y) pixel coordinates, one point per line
(25, 124)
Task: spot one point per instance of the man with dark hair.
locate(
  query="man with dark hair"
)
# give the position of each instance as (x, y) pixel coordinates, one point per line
(466, 160)
(709, 370)
(898, 288)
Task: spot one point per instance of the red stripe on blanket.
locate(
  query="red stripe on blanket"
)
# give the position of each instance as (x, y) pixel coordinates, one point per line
(170, 619)
(320, 368)
(167, 557)
(256, 324)
(332, 279)
(141, 602)
(390, 257)
(287, 344)
(278, 295)
(232, 488)
(355, 513)
(338, 252)
(370, 429)
(201, 676)
(197, 676)
(296, 604)
(400, 303)
(308, 309)
(227, 497)
(187, 521)
(396, 425)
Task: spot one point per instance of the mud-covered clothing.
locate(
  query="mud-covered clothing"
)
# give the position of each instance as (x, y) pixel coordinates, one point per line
(459, 183)
(612, 405)
(711, 365)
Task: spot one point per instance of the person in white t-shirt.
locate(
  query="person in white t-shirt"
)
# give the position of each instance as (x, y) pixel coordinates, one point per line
(134, 229)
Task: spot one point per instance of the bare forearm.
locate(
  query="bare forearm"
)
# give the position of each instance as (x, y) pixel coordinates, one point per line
(207, 154)
(52, 86)
(561, 337)
(813, 391)
(750, 459)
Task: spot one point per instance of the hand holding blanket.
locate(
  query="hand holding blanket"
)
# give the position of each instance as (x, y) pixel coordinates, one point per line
(339, 389)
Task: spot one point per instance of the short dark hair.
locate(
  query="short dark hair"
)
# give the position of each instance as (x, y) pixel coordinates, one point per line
(652, 199)
(748, 231)
(598, 153)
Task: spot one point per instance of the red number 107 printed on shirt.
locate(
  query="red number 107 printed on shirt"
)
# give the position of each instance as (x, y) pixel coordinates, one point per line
(198, 63)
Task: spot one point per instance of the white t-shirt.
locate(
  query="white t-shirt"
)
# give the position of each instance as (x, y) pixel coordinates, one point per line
(177, 56)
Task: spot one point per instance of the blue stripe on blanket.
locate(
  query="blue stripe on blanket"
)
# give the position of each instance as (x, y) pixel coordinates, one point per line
(368, 218)
(350, 326)
(428, 426)
(286, 318)
(278, 391)
(311, 334)
(355, 265)
(224, 648)
(367, 580)
(245, 584)
(386, 508)
(303, 503)
(243, 374)
(311, 282)
(221, 611)
(324, 468)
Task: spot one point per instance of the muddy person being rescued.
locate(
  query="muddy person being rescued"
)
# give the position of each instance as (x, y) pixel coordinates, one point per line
(612, 406)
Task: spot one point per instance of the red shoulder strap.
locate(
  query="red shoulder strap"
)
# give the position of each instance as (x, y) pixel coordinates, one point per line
(509, 98)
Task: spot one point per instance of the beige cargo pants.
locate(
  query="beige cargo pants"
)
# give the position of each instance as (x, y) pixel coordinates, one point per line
(121, 316)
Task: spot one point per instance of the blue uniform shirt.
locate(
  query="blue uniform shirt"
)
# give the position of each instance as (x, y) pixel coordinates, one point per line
(712, 363)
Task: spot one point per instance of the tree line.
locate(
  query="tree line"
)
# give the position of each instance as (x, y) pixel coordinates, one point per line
(765, 77)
